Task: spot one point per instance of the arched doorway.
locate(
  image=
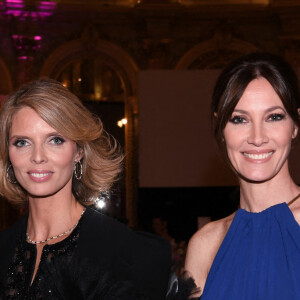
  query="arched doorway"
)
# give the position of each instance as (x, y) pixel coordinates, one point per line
(215, 53)
(100, 71)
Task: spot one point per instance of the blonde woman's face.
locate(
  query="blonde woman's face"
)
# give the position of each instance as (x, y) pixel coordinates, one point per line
(43, 160)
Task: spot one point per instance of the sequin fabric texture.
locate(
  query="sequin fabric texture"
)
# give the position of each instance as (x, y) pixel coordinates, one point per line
(54, 262)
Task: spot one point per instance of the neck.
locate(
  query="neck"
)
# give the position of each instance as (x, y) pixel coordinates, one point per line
(52, 215)
(255, 197)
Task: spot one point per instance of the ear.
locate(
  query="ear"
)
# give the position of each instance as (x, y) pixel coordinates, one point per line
(295, 131)
(79, 154)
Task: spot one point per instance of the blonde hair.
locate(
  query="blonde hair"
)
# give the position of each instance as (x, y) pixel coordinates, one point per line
(62, 110)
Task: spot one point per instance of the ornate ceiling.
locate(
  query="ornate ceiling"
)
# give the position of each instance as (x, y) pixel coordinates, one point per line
(133, 3)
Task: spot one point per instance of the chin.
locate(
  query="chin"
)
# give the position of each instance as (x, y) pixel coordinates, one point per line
(42, 193)
(256, 178)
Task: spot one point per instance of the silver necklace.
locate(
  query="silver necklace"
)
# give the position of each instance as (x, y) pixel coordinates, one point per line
(53, 237)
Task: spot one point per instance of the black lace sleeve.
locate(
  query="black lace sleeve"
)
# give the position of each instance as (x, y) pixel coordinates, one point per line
(182, 287)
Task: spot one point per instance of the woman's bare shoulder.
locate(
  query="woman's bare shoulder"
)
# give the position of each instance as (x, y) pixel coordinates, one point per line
(203, 247)
(295, 209)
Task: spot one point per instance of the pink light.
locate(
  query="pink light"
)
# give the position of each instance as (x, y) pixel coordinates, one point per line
(47, 4)
(23, 57)
(37, 38)
(14, 1)
(17, 8)
(46, 9)
(33, 14)
(14, 13)
(45, 14)
(16, 5)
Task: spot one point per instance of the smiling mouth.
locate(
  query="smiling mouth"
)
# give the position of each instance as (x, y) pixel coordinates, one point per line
(39, 175)
(258, 156)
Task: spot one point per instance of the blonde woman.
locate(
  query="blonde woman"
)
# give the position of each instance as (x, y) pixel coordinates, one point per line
(55, 158)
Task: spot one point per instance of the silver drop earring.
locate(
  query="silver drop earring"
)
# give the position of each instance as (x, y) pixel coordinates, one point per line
(10, 174)
(78, 170)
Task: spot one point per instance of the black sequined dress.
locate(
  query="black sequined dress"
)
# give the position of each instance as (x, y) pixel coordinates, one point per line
(100, 259)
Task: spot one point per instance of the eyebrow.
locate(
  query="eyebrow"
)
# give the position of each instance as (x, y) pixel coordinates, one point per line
(54, 133)
(267, 110)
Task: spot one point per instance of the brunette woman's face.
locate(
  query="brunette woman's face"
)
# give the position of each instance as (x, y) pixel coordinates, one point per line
(43, 160)
(259, 133)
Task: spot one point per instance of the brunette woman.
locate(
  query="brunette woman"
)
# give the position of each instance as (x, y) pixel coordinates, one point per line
(255, 252)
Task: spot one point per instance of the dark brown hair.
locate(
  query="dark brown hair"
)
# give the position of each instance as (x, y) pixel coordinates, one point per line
(234, 79)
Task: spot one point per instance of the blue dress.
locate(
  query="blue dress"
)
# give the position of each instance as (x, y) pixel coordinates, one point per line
(259, 258)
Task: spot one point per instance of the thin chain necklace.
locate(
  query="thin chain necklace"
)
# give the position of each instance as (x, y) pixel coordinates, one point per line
(53, 237)
(293, 200)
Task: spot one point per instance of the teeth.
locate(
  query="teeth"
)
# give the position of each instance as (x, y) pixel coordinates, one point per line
(258, 156)
(39, 175)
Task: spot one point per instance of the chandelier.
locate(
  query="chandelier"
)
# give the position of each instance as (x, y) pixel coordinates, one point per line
(29, 9)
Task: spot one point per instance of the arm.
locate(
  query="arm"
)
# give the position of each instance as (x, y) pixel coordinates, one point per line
(203, 248)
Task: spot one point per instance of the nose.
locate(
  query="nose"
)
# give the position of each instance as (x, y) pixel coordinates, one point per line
(38, 155)
(258, 135)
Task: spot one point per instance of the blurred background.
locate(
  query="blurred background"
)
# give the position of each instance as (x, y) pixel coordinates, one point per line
(147, 68)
